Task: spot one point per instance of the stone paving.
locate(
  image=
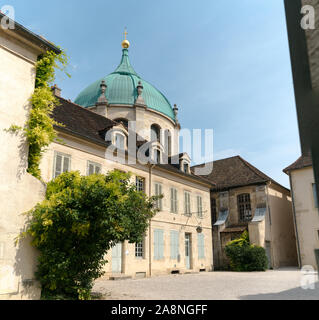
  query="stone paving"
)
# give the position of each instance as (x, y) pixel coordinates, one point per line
(283, 284)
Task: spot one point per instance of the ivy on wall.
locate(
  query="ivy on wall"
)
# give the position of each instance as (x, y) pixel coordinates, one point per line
(39, 129)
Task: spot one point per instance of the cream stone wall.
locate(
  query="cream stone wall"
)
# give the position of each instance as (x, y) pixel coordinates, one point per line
(276, 230)
(19, 191)
(82, 151)
(283, 241)
(144, 118)
(307, 216)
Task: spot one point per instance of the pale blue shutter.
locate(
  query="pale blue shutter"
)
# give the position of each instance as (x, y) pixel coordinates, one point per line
(156, 257)
(174, 245)
(158, 244)
(201, 246)
(161, 244)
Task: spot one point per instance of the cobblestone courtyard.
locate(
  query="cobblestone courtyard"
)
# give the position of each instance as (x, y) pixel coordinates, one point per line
(270, 285)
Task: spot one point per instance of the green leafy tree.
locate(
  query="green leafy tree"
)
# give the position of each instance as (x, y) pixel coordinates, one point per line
(244, 256)
(81, 218)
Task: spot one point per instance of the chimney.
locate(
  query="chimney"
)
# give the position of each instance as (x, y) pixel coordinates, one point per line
(56, 91)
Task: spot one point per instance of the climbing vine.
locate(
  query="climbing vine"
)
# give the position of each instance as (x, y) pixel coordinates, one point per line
(39, 129)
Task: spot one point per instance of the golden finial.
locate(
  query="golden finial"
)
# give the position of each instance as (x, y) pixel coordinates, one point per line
(125, 43)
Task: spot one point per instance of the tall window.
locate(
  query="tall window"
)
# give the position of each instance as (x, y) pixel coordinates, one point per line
(158, 244)
(201, 246)
(119, 141)
(158, 192)
(155, 132)
(214, 210)
(62, 163)
(173, 200)
(187, 203)
(174, 245)
(139, 250)
(168, 142)
(186, 167)
(314, 189)
(93, 168)
(140, 184)
(157, 156)
(244, 207)
(200, 207)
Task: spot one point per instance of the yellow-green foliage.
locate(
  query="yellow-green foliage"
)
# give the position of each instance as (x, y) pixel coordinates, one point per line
(39, 128)
(81, 219)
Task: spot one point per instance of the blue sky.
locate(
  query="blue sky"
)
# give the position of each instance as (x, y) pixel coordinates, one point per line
(225, 63)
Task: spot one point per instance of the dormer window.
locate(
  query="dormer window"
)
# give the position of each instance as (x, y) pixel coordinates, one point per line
(186, 167)
(157, 156)
(119, 140)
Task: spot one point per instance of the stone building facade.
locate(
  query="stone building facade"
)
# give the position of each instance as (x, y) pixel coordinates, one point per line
(19, 191)
(305, 209)
(244, 198)
(179, 239)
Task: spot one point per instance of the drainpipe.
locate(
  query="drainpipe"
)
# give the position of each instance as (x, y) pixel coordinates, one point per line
(151, 166)
(270, 224)
(295, 221)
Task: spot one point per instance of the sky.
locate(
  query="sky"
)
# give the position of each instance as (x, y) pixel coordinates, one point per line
(226, 64)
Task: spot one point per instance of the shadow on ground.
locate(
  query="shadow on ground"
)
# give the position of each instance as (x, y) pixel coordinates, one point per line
(291, 294)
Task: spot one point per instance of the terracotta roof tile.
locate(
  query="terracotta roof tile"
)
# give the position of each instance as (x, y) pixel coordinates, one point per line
(302, 162)
(235, 172)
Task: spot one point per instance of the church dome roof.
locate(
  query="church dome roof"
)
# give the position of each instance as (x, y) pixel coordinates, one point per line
(122, 90)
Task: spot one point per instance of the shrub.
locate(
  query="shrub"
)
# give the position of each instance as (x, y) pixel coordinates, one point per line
(246, 257)
(82, 218)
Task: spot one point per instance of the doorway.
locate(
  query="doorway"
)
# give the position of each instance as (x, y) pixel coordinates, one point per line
(188, 250)
(117, 258)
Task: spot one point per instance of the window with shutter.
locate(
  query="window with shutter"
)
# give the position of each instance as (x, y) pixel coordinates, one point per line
(174, 245)
(187, 203)
(140, 184)
(200, 206)
(173, 200)
(158, 192)
(93, 168)
(201, 246)
(158, 244)
(62, 163)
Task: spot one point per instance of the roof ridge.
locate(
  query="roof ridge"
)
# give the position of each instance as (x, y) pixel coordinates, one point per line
(254, 169)
(87, 110)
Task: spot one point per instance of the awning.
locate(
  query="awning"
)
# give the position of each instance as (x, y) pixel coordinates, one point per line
(260, 214)
(222, 217)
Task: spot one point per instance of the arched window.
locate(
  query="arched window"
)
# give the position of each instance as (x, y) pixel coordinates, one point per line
(157, 156)
(244, 207)
(119, 141)
(155, 132)
(168, 142)
(123, 121)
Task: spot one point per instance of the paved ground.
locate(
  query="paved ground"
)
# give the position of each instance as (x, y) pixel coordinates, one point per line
(280, 284)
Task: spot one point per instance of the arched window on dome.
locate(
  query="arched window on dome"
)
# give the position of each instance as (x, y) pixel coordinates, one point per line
(155, 132)
(168, 142)
(157, 156)
(123, 121)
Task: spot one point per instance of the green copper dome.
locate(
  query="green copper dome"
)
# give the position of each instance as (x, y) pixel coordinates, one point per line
(122, 90)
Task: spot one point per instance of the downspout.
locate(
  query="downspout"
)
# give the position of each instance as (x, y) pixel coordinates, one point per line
(270, 224)
(151, 166)
(295, 221)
